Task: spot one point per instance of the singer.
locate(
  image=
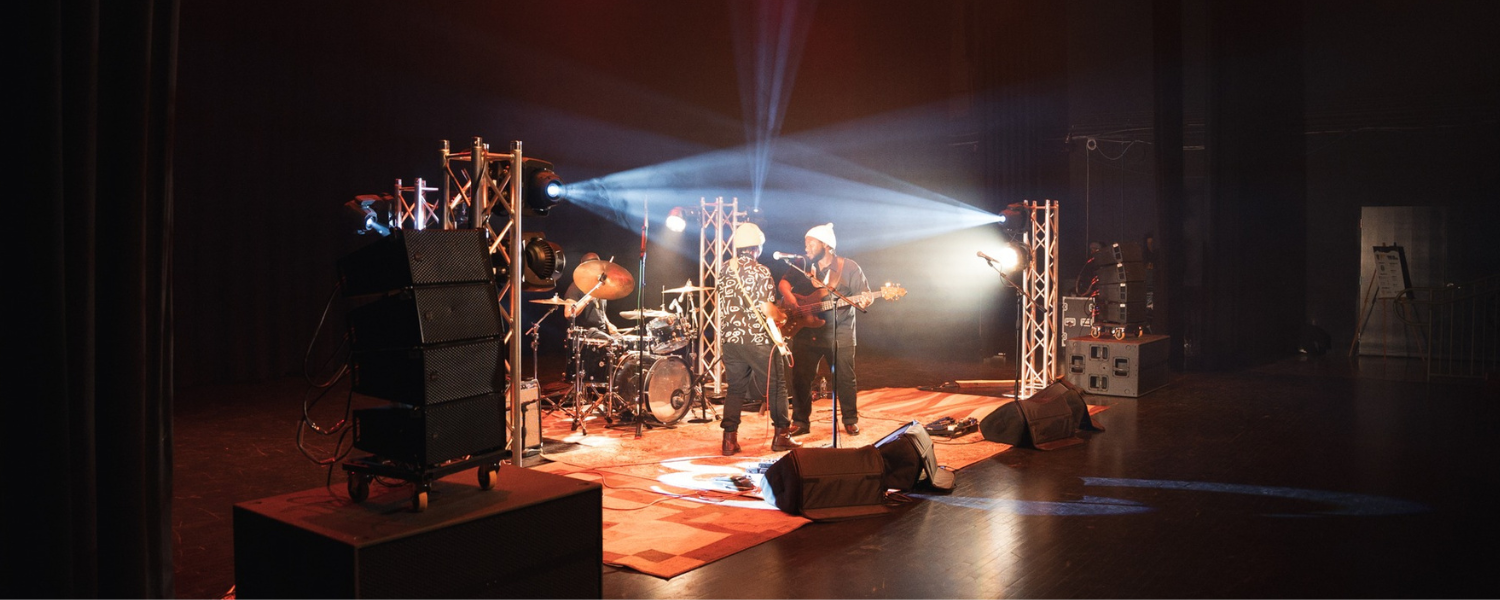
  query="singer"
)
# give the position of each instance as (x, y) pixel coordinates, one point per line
(826, 336)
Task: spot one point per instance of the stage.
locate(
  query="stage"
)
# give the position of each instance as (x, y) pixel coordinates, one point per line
(1304, 475)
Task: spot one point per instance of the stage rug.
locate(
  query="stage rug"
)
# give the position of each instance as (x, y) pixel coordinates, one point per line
(669, 503)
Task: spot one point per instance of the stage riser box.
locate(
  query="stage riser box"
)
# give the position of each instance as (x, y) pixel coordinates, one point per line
(1128, 368)
(534, 535)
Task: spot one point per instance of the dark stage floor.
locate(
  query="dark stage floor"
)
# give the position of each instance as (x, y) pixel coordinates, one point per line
(1306, 478)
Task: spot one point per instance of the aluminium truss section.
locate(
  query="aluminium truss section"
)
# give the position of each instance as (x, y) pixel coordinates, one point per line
(715, 247)
(1041, 325)
(411, 208)
(481, 190)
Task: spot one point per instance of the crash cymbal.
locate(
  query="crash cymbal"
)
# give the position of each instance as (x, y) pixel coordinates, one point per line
(616, 283)
(648, 313)
(687, 288)
(554, 300)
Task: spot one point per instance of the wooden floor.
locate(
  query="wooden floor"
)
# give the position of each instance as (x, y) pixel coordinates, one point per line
(1306, 478)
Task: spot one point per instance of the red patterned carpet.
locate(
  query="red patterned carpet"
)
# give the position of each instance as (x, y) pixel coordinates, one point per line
(669, 506)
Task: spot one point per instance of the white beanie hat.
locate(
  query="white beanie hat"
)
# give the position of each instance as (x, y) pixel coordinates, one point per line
(824, 233)
(748, 234)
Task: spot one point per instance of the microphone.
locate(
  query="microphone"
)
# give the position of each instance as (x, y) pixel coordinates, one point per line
(987, 258)
(785, 256)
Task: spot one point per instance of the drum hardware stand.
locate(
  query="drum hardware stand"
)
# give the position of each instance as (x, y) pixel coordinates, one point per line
(535, 334)
(701, 399)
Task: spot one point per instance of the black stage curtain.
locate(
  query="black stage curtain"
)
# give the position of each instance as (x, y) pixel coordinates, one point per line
(1255, 249)
(88, 435)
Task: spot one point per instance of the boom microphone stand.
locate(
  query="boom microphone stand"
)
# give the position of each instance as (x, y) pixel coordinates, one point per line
(640, 331)
(1016, 388)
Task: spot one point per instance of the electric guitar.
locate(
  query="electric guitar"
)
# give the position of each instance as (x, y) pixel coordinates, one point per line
(805, 312)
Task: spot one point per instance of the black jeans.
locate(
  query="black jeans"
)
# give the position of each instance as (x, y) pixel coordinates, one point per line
(805, 368)
(750, 371)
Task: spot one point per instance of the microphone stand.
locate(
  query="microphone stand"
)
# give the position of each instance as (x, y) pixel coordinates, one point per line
(640, 331)
(833, 369)
(1016, 386)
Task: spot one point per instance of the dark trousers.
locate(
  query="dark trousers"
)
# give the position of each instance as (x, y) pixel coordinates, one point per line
(750, 371)
(805, 368)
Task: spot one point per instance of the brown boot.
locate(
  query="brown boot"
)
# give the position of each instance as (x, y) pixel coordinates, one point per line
(784, 441)
(731, 443)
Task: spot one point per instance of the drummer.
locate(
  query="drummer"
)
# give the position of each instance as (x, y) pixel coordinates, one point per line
(588, 311)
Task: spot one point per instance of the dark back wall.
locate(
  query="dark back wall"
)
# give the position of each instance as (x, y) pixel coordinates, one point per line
(286, 111)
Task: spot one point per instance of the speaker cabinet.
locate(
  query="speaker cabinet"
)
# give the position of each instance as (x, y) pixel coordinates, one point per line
(1124, 312)
(1128, 368)
(1122, 272)
(432, 434)
(534, 535)
(412, 258)
(427, 315)
(1130, 291)
(825, 484)
(431, 374)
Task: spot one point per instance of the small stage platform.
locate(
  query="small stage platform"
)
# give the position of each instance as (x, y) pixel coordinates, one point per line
(533, 535)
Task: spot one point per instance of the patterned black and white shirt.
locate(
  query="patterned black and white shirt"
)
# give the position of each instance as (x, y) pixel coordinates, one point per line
(738, 321)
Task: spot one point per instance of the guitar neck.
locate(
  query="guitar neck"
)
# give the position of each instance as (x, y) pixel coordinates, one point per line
(830, 304)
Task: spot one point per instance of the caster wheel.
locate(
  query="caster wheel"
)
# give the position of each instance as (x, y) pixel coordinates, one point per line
(487, 475)
(419, 501)
(359, 487)
(1119, 333)
(1095, 332)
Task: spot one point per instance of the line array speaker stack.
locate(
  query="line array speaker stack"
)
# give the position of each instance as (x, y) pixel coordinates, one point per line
(427, 335)
(1121, 308)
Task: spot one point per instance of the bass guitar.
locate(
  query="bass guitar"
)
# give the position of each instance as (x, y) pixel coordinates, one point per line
(804, 313)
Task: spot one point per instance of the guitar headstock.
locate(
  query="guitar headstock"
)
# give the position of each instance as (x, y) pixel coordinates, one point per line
(892, 292)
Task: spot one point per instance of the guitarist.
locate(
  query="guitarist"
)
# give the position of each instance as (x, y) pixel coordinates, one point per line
(751, 366)
(824, 269)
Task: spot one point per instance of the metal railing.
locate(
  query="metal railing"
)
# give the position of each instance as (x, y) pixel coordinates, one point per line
(1460, 323)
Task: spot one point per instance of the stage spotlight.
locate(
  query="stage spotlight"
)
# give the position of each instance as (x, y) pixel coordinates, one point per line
(1014, 215)
(1011, 258)
(542, 263)
(675, 222)
(543, 187)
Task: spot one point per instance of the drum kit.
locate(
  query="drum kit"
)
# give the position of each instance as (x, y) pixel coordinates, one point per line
(639, 371)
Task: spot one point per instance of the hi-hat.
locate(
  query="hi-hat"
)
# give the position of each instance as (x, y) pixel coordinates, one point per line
(616, 283)
(648, 313)
(554, 300)
(687, 288)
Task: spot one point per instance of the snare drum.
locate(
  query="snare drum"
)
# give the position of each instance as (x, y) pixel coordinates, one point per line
(669, 384)
(669, 334)
(593, 353)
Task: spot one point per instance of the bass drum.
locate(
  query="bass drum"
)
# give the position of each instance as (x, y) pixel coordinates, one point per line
(669, 384)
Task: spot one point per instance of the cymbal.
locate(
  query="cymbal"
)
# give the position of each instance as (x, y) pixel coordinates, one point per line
(687, 288)
(648, 313)
(617, 282)
(554, 300)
